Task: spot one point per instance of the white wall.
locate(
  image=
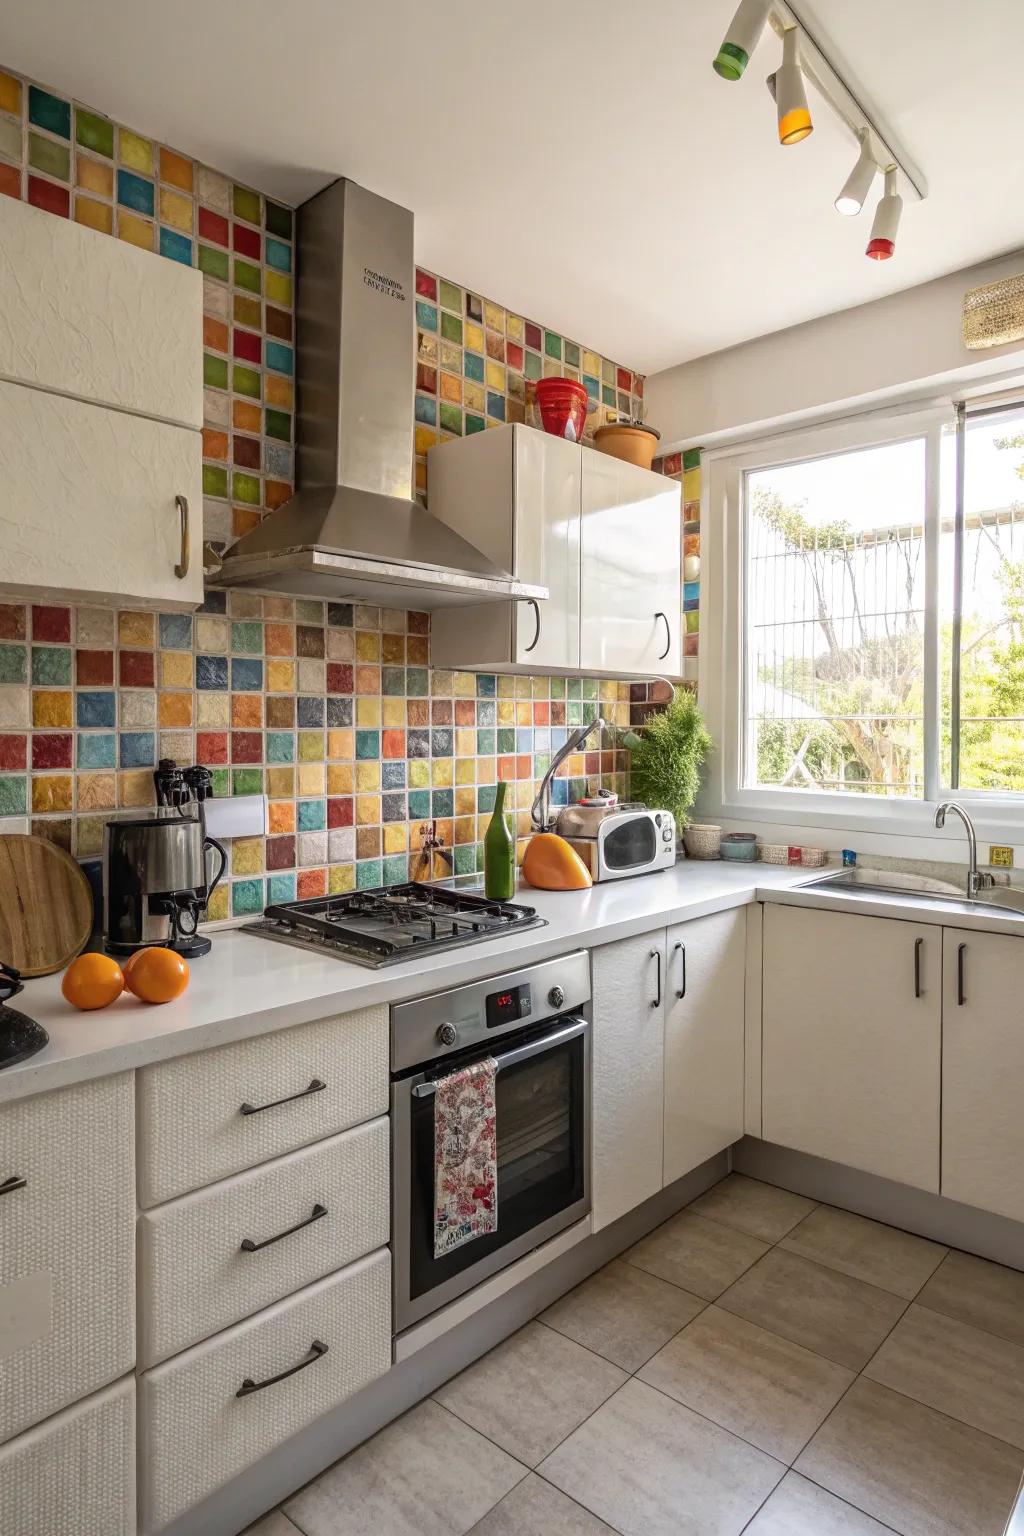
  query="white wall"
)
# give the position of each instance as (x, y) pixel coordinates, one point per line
(908, 343)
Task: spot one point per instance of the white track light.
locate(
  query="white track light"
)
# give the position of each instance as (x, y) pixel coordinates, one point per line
(790, 94)
(887, 220)
(741, 39)
(857, 185)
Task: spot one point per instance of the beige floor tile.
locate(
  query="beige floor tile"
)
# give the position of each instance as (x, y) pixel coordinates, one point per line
(976, 1291)
(911, 1467)
(276, 1524)
(762, 1387)
(427, 1474)
(650, 1467)
(702, 1256)
(531, 1391)
(800, 1508)
(623, 1313)
(833, 1314)
(534, 1508)
(868, 1250)
(971, 1375)
(751, 1206)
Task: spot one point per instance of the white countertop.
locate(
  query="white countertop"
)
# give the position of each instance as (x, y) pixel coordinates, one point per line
(249, 986)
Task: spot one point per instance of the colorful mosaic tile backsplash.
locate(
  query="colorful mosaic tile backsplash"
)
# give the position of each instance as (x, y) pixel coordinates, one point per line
(332, 711)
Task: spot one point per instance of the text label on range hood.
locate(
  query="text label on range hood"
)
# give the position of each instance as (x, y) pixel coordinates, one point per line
(353, 529)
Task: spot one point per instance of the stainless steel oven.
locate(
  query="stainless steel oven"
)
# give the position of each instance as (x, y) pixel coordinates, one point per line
(535, 1022)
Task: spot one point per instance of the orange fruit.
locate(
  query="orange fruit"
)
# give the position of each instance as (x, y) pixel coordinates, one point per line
(157, 975)
(126, 966)
(92, 981)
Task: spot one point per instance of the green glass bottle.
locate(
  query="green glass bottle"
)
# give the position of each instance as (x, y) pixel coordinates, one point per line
(499, 853)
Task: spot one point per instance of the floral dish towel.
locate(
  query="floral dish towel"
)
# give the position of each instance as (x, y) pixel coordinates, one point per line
(465, 1157)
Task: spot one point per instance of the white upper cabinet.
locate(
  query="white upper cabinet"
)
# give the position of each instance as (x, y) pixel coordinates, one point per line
(515, 495)
(630, 594)
(851, 1041)
(82, 314)
(100, 417)
(604, 537)
(982, 1071)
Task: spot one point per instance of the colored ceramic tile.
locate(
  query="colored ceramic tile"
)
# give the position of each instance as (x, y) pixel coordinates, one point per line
(213, 262)
(135, 231)
(175, 246)
(247, 276)
(279, 288)
(50, 158)
(52, 792)
(13, 664)
(278, 220)
(94, 215)
(10, 94)
(51, 666)
(48, 111)
(280, 357)
(278, 255)
(246, 895)
(52, 199)
(246, 381)
(247, 781)
(246, 204)
(280, 392)
(135, 192)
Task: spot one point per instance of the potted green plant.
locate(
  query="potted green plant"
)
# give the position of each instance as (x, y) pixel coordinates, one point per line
(666, 756)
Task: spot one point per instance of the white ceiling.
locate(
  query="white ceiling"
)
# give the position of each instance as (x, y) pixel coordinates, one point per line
(579, 162)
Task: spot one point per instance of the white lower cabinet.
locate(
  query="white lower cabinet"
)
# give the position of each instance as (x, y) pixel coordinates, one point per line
(208, 1414)
(704, 1001)
(212, 1258)
(851, 1029)
(67, 1248)
(983, 1070)
(73, 1475)
(628, 1074)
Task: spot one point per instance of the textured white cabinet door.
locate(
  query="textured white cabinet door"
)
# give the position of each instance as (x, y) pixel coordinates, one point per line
(983, 1071)
(191, 1126)
(75, 1474)
(628, 1075)
(704, 1039)
(515, 494)
(81, 314)
(851, 1057)
(631, 538)
(196, 1278)
(67, 1248)
(196, 1433)
(88, 508)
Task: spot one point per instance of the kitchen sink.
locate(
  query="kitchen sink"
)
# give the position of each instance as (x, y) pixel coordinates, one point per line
(1005, 899)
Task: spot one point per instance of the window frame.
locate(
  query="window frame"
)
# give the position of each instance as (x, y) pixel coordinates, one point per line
(723, 679)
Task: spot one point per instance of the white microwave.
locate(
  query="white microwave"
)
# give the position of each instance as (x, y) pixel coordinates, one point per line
(629, 840)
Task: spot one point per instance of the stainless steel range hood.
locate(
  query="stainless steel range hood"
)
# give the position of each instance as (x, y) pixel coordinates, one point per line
(353, 529)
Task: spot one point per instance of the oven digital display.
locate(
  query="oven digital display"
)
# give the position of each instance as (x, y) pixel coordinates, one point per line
(507, 1007)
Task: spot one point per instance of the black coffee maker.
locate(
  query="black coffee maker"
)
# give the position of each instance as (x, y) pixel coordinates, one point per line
(20, 1036)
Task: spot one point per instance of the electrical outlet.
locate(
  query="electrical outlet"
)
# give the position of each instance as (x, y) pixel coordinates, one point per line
(1000, 857)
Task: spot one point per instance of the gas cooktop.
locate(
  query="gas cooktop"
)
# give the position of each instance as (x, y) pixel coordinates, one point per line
(391, 923)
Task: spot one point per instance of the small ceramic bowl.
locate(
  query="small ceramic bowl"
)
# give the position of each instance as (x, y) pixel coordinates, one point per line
(740, 847)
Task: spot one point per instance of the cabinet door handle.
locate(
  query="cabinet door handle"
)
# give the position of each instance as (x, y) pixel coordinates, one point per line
(316, 1351)
(682, 962)
(248, 1245)
(668, 635)
(10, 1185)
(316, 1086)
(917, 966)
(181, 569)
(656, 956)
(536, 617)
(961, 997)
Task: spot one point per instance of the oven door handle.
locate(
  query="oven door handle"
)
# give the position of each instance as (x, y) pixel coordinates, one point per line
(521, 1053)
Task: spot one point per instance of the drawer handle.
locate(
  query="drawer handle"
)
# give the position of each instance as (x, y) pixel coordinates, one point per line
(10, 1185)
(316, 1086)
(316, 1350)
(181, 569)
(249, 1246)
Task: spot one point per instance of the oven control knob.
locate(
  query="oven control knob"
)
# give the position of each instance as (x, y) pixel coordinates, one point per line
(447, 1034)
(556, 997)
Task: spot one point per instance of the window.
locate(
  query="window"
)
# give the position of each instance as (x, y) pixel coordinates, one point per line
(835, 622)
(871, 582)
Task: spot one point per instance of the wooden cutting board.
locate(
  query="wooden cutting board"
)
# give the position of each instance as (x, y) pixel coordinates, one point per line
(45, 905)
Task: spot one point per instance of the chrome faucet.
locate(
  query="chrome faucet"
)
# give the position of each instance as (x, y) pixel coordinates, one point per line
(977, 880)
(540, 813)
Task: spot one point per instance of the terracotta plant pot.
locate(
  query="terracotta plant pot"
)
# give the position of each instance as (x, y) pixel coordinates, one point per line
(636, 445)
